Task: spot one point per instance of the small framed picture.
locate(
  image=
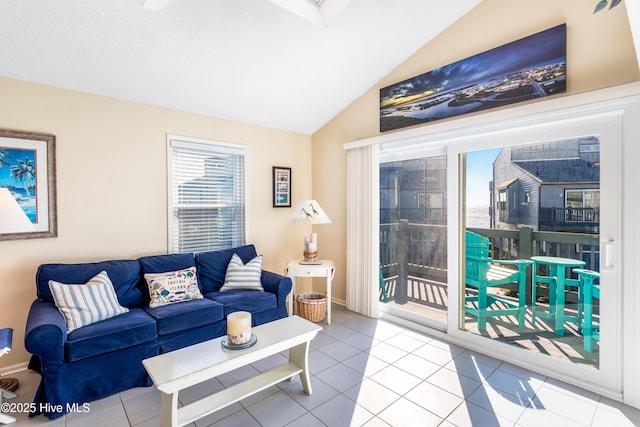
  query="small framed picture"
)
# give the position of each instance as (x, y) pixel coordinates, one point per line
(281, 187)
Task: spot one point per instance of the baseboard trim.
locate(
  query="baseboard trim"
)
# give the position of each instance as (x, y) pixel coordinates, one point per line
(338, 301)
(12, 369)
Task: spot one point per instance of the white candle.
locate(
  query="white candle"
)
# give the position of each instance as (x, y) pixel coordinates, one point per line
(239, 327)
(314, 242)
(310, 247)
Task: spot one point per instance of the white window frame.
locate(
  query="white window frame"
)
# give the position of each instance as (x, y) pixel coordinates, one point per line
(216, 147)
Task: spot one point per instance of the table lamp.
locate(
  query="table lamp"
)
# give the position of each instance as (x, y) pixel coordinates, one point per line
(12, 217)
(309, 212)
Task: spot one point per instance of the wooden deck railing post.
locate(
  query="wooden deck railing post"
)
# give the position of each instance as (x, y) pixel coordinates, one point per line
(402, 257)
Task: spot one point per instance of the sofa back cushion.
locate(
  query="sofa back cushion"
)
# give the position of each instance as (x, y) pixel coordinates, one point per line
(212, 265)
(124, 275)
(162, 264)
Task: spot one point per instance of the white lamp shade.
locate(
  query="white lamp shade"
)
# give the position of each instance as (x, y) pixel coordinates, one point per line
(12, 217)
(309, 212)
(155, 4)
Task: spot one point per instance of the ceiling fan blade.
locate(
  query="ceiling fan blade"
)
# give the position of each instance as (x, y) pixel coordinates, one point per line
(155, 4)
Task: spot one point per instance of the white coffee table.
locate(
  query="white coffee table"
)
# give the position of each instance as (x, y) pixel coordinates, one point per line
(177, 370)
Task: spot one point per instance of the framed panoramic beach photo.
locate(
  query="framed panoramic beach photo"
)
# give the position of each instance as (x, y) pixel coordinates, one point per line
(528, 68)
(27, 185)
(281, 187)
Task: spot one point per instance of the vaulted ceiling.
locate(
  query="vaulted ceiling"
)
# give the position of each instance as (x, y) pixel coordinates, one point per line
(285, 64)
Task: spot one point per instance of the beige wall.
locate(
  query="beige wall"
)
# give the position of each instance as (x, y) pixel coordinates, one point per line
(111, 185)
(600, 53)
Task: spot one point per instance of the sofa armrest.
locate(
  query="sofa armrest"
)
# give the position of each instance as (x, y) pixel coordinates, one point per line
(276, 284)
(46, 333)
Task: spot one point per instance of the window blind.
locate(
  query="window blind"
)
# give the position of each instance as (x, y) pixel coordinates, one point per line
(207, 196)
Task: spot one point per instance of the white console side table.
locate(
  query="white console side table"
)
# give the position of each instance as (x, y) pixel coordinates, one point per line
(323, 268)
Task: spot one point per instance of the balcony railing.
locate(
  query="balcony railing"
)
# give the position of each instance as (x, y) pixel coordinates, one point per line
(420, 250)
(570, 219)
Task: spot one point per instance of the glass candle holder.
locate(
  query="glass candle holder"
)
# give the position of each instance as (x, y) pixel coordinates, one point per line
(239, 327)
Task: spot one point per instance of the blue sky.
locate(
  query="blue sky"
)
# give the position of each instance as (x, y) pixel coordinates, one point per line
(479, 174)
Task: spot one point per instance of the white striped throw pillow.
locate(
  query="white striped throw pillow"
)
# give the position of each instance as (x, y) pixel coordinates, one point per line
(241, 276)
(88, 303)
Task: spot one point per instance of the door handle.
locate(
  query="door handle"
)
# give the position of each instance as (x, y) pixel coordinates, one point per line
(609, 252)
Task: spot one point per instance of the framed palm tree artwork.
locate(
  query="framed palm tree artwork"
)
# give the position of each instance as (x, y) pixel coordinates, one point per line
(27, 185)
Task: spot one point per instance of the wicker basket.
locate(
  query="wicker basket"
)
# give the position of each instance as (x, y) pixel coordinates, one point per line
(312, 307)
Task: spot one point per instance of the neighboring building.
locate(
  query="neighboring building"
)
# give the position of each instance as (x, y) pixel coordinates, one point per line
(414, 190)
(551, 186)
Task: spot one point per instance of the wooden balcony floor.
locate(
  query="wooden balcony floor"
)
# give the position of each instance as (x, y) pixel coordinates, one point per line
(430, 299)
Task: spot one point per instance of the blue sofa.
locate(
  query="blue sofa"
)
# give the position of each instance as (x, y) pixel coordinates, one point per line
(104, 358)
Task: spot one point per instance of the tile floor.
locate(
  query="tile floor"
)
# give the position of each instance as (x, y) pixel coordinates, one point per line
(370, 373)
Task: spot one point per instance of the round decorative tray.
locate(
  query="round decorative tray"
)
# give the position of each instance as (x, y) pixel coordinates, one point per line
(228, 346)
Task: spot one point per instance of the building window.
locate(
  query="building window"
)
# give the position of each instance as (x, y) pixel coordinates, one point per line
(589, 147)
(582, 205)
(502, 200)
(206, 195)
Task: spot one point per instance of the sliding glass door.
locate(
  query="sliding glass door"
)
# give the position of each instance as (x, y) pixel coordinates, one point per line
(537, 225)
(532, 224)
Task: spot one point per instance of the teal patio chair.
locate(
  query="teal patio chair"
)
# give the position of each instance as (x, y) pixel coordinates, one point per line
(483, 272)
(589, 289)
(384, 297)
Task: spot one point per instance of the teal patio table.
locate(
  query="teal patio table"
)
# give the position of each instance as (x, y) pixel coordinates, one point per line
(557, 282)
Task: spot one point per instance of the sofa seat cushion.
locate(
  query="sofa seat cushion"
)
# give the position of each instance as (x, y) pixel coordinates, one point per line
(244, 300)
(123, 331)
(187, 315)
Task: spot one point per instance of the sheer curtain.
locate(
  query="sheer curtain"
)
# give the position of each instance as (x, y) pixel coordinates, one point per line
(363, 235)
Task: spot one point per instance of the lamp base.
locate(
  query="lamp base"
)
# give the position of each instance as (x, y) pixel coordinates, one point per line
(310, 256)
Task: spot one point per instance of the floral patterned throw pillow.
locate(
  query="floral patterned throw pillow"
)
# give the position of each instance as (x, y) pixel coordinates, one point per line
(172, 286)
